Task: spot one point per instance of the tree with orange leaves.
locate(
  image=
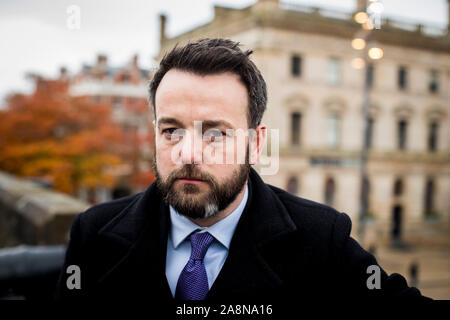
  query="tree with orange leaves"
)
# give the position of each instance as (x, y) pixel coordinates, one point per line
(67, 140)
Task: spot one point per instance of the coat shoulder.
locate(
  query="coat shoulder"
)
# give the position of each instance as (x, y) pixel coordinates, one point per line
(313, 217)
(97, 216)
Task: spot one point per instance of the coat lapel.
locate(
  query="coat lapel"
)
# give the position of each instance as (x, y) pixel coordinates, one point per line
(248, 269)
(139, 236)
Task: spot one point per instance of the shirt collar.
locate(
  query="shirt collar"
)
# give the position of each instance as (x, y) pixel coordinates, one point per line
(222, 231)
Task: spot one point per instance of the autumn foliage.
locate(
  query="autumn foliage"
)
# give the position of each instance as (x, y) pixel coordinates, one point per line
(66, 140)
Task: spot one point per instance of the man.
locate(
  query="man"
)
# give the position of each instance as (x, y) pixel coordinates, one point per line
(210, 229)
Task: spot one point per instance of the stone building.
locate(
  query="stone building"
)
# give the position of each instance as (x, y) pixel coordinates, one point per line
(315, 99)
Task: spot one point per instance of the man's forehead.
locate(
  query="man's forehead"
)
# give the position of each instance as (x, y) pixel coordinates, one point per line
(189, 97)
(189, 86)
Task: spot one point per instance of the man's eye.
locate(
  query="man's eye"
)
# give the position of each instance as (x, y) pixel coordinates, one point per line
(168, 132)
(213, 135)
(173, 133)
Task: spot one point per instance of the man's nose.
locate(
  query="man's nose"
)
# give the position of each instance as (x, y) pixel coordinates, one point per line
(191, 150)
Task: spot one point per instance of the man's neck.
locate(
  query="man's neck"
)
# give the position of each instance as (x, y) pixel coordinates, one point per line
(207, 222)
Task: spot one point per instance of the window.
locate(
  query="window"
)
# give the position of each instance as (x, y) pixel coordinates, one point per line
(434, 81)
(398, 187)
(296, 66)
(433, 129)
(330, 191)
(402, 127)
(333, 130)
(295, 128)
(292, 185)
(429, 196)
(334, 71)
(117, 101)
(126, 78)
(369, 75)
(402, 78)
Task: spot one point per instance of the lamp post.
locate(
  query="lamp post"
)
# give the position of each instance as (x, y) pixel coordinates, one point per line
(370, 51)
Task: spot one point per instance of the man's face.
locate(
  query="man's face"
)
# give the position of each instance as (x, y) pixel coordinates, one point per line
(200, 169)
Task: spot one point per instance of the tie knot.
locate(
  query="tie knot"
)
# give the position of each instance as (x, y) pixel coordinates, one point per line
(200, 243)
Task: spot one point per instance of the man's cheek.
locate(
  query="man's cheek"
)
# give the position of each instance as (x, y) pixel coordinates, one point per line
(163, 164)
(167, 155)
(171, 155)
(214, 153)
(235, 151)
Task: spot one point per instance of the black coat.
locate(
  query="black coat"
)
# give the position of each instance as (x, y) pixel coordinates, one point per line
(284, 247)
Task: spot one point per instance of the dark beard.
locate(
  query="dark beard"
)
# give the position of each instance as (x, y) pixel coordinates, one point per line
(194, 207)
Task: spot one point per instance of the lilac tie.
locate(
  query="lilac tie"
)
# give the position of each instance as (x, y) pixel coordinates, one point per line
(193, 281)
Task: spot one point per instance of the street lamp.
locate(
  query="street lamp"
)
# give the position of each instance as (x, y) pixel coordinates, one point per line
(358, 43)
(369, 51)
(375, 53)
(361, 17)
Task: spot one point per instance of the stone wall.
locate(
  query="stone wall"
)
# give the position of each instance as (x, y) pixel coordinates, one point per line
(31, 214)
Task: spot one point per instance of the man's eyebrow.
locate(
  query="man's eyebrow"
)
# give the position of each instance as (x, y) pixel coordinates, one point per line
(172, 121)
(205, 123)
(216, 123)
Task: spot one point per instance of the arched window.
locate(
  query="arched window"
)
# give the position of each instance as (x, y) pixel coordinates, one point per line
(330, 190)
(292, 185)
(402, 134)
(402, 77)
(295, 128)
(334, 71)
(433, 84)
(333, 130)
(433, 129)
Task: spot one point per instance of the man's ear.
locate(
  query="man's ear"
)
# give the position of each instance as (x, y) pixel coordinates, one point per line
(258, 139)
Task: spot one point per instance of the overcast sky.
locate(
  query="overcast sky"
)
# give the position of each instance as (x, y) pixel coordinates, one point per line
(34, 36)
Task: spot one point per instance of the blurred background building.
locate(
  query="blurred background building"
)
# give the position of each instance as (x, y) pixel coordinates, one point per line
(118, 94)
(125, 90)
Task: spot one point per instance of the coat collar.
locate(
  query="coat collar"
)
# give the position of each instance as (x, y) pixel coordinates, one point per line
(141, 232)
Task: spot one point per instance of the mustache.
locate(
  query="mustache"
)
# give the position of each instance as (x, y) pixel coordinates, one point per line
(189, 171)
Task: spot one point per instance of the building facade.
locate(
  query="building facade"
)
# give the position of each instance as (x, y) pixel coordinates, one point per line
(315, 99)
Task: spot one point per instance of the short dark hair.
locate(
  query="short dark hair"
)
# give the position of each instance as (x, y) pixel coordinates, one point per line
(214, 56)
